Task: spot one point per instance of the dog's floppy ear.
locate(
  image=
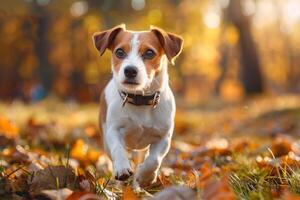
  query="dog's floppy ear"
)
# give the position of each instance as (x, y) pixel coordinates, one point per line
(171, 43)
(103, 40)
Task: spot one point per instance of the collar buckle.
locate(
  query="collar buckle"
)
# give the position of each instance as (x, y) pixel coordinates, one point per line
(125, 99)
(156, 99)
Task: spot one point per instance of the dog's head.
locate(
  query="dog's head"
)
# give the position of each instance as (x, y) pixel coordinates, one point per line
(138, 57)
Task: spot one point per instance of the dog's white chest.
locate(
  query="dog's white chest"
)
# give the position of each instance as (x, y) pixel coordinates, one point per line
(143, 129)
(140, 137)
(139, 126)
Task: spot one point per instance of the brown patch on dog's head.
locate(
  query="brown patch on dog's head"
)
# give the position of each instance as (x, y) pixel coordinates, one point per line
(149, 41)
(122, 41)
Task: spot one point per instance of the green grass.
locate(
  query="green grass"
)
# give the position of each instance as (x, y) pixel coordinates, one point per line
(292, 177)
(250, 182)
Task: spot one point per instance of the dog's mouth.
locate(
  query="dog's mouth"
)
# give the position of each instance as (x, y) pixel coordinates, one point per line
(130, 82)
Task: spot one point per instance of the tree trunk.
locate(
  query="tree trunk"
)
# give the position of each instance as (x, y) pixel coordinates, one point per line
(251, 75)
(45, 71)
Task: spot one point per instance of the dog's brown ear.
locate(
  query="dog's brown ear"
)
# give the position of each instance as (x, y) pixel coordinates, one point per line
(103, 40)
(171, 43)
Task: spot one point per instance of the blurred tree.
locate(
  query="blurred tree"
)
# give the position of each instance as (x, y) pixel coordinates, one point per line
(251, 75)
(47, 43)
(41, 43)
(292, 56)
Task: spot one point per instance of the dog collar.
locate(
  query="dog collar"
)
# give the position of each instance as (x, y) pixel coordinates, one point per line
(140, 100)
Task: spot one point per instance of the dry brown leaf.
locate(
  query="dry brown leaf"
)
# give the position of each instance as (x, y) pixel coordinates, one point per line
(19, 183)
(21, 155)
(218, 189)
(52, 177)
(83, 196)
(281, 146)
(176, 193)
(34, 167)
(84, 183)
(60, 194)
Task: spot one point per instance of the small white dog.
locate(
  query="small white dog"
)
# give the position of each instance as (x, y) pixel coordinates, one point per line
(137, 107)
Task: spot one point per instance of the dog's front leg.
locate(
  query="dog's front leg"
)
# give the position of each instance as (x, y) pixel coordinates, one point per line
(147, 171)
(115, 146)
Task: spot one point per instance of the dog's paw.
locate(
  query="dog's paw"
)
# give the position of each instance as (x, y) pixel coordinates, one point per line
(122, 171)
(144, 177)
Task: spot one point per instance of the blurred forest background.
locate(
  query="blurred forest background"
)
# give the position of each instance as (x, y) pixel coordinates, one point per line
(232, 48)
(237, 85)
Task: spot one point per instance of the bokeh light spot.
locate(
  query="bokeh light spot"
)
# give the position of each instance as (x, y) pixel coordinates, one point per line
(138, 4)
(79, 8)
(212, 20)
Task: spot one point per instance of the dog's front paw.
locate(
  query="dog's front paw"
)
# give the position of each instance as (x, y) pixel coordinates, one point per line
(122, 171)
(144, 177)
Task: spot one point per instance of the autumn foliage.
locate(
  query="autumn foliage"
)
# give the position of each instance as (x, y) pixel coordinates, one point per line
(252, 153)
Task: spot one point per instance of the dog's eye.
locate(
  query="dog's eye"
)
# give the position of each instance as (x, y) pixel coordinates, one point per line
(149, 54)
(120, 53)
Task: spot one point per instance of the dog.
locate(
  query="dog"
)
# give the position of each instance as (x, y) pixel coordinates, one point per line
(137, 107)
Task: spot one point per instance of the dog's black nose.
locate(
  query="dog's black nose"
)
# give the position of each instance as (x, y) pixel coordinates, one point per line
(130, 71)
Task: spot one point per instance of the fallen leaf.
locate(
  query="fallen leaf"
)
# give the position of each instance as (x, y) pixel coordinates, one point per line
(7, 128)
(83, 196)
(52, 177)
(281, 146)
(287, 195)
(81, 151)
(217, 189)
(91, 130)
(84, 183)
(176, 193)
(60, 194)
(128, 194)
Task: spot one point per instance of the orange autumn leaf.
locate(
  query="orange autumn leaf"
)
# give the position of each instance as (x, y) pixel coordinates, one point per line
(164, 180)
(198, 178)
(287, 195)
(93, 155)
(101, 181)
(192, 179)
(90, 130)
(7, 128)
(81, 151)
(83, 195)
(128, 194)
(218, 189)
(206, 171)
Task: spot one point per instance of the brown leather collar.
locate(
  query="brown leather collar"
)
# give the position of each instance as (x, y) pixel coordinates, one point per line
(140, 100)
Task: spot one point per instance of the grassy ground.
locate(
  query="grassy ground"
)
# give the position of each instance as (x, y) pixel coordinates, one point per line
(247, 150)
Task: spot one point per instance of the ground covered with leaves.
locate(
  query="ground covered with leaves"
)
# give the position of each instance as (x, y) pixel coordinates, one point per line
(246, 150)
